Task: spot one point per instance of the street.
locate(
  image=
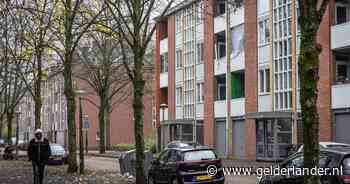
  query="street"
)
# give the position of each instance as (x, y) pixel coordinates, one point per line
(100, 170)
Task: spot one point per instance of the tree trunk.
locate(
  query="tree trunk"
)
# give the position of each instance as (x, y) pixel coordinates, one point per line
(309, 62)
(9, 117)
(70, 97)
(101, 116)
(108, 124)
(37, 93)
(138, 84)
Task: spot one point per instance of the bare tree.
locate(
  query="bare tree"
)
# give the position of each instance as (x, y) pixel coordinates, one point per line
(15, 55)
(73, 19)
(133, 24)
(101, 68)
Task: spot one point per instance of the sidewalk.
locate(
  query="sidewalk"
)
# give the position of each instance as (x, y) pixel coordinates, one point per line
(246, 163)
(108, 154)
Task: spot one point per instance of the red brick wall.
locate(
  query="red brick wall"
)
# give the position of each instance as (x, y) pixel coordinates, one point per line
(250, 75)
(326, 75)
(209, 127)
(157, 74)
(171, 67)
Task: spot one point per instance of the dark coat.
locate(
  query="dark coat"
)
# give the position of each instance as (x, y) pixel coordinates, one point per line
(39, 152)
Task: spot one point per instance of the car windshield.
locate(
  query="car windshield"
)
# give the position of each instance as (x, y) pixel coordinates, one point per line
(199, 155)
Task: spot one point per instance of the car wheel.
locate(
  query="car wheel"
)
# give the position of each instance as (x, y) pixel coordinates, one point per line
(150, 180)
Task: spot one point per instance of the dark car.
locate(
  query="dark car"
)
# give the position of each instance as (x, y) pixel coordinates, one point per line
(186, 165)
(58, 154)
(332, 159)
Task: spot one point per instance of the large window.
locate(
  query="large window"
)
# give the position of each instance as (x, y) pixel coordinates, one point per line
(282, 55)
(264, 81)
(178, 96)
(178, 58)
(164, 63)
(264, 32)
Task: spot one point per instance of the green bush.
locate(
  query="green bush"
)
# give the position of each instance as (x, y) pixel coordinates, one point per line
(123, 147)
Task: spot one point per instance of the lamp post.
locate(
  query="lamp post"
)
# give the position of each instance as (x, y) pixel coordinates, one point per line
(163, 107)
(17, 131)
(81, 94)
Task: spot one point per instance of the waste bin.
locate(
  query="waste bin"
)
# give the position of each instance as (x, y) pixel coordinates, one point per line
(127, 162)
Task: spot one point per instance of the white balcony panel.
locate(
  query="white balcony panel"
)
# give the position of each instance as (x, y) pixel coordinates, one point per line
(237, 17)
(237, 63)
(219, 23)
(179, 112)
(200, 110)
(264, 53)
(237, 107)
(341, 96)
(164, 46)
(178, 40)
(164, 80)
(178, 76)
(220, 109)
(220, 66)
(163, 115)
(263, 6)
(200, 71)
(265, 103)
(340, 36)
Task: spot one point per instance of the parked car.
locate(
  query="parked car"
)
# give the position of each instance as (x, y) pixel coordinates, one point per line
(58, 154)
(181, 144)
(329, 158)
(328, 145)
(185, 165)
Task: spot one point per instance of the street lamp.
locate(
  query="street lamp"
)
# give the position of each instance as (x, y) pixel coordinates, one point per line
(17, 130)
(81, 94)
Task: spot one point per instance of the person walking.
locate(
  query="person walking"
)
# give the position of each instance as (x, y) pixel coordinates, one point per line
(39, 152)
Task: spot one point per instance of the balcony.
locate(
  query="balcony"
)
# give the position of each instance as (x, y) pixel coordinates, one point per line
(220, 66)
(340, 96)
(237, 18)
(265, 103)
(238, 107)
(164, 80)
(220, 109)
(340, 36)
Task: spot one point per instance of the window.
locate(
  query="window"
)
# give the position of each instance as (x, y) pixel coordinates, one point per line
(264, 81)
(342, 13)
(237, 84)
(179, 96)
(178, 58)
(178, 23)
(221, 87)
(164, 63)
(200, 12)
(220, 7)
(220, 45)
(200, 54)
(237, 40)
(200, 92)
(264, 32)
(342, 67)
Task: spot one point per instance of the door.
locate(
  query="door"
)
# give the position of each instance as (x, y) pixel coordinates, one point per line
(220, 138)
(238, 139)
(342, 126)
(265, 139)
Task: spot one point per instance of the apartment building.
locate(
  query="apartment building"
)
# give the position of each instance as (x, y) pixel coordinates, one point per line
(54, 115)
(250, 109)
